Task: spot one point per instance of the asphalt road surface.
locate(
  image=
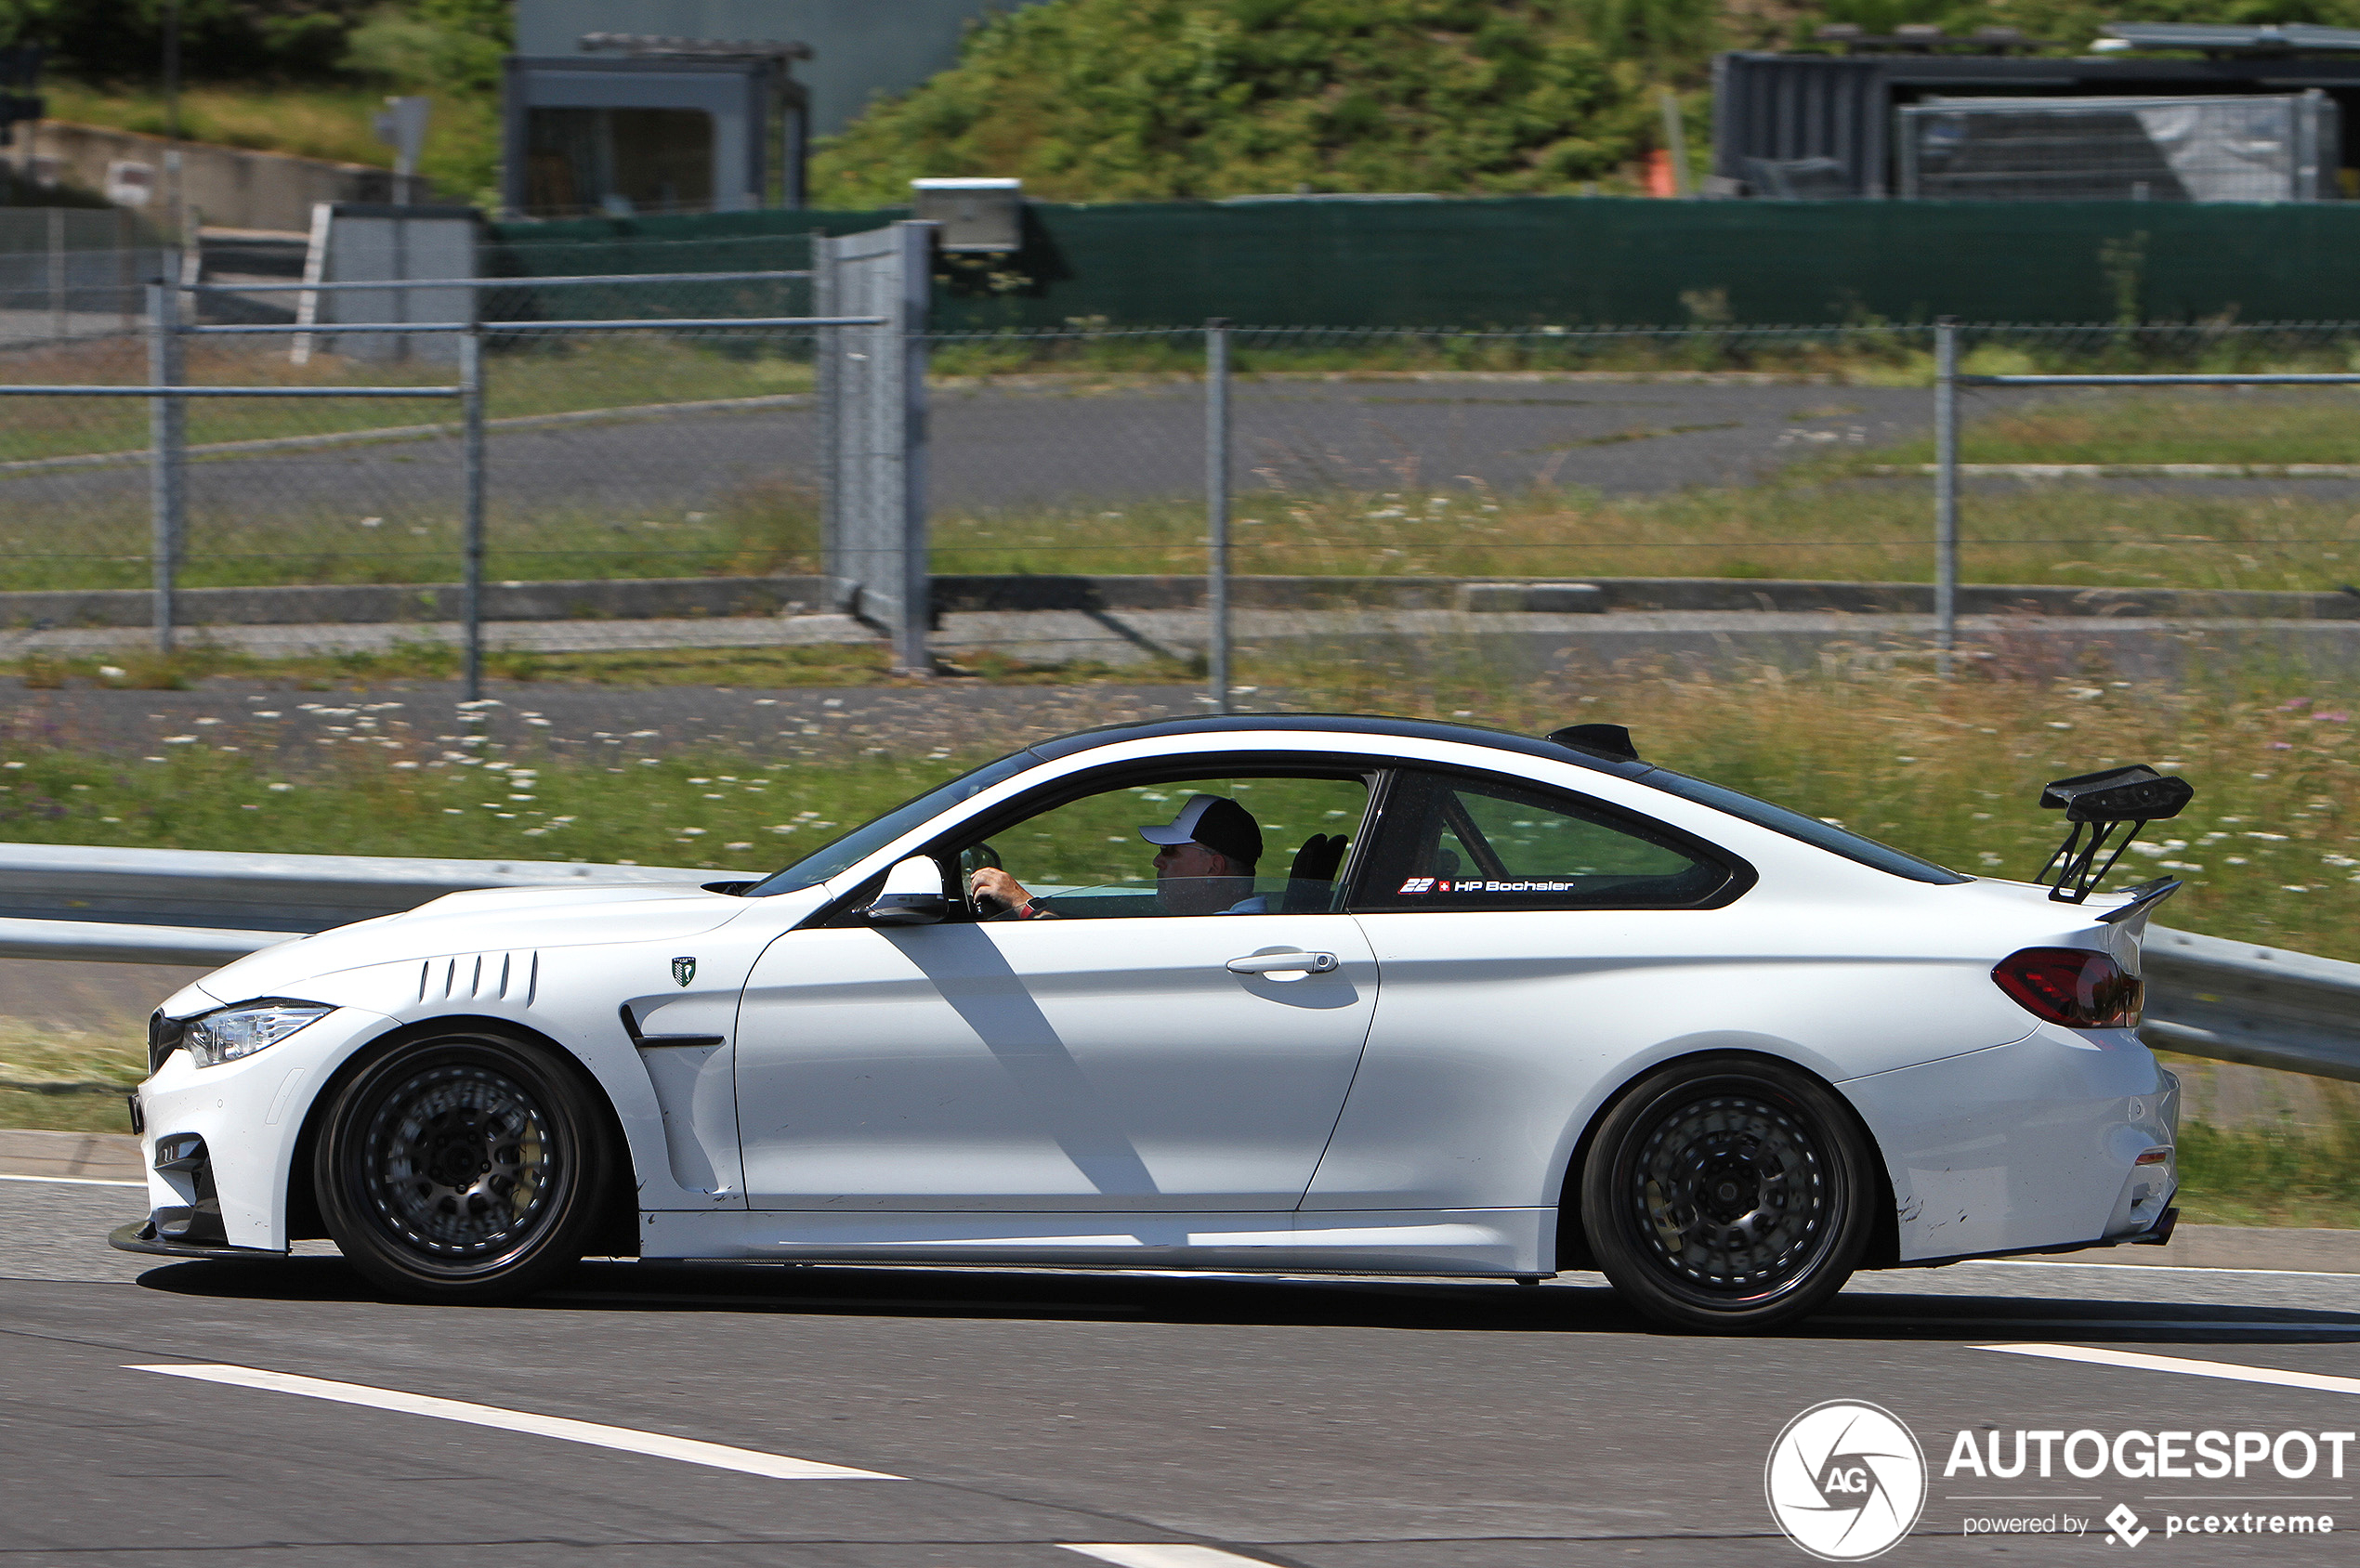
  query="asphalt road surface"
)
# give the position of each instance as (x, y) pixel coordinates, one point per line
(1007, 1418)
(1031, 445)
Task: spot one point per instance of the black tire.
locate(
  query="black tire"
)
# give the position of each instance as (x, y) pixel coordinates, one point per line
(1728, 1194)
(465, 1167)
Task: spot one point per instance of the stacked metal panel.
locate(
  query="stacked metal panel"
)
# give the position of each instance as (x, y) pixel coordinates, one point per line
(2278, 147)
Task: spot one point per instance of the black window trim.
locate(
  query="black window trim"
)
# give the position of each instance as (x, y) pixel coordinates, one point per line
(1741, 878)
(1373, 773)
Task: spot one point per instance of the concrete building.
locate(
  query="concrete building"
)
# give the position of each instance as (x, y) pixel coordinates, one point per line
(702, 105)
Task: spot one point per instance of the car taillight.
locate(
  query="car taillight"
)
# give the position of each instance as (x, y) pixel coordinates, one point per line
(2071, 985)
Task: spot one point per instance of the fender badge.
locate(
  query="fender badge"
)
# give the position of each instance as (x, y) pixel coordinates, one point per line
(684, 970)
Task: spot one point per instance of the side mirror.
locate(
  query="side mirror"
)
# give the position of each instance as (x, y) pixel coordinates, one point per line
(911, 896)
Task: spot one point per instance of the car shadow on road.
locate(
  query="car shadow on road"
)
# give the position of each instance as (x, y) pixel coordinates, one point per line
(1572, 1304)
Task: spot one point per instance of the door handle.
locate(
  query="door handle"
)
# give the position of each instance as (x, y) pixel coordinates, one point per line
(1266, 963)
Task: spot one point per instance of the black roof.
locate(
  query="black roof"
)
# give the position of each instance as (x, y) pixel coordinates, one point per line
(1338, 723)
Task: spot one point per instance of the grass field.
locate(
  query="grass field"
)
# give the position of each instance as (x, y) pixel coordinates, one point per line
(2271, 850)
(1806, 524)
(2223, 424)
(140, 668)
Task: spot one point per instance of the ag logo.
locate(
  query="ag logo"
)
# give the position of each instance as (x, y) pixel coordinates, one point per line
(684, 970)
(1846, 1480)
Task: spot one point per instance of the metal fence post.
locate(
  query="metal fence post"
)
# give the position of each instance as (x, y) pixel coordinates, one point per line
(1946, 492)
(1216, 506)
(828, 384)
(914, 578)
(167, 443)
(58, 324)
(471, 441)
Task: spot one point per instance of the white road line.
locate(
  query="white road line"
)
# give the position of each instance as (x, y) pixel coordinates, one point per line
(2112, 1324)
(1156, 1554)
(2171, 1268)
(778, 1467)
(2277, 1377)
(70, 1180)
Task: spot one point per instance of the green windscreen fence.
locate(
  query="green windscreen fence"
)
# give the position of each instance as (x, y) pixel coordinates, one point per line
(1539, 261)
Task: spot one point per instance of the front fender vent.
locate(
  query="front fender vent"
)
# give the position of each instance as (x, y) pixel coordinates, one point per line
(509, 977)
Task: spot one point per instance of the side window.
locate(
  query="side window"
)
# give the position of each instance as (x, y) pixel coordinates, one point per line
(1251, 845)
(1449, 843)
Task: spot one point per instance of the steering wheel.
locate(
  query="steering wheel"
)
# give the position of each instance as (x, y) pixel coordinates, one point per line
(972, 859)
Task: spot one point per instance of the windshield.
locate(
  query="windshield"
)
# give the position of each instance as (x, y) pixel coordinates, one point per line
(1810, 830)
(862, 842)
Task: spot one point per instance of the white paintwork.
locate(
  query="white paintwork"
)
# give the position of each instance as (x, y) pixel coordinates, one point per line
(1110, 1092)
(1048, 1064)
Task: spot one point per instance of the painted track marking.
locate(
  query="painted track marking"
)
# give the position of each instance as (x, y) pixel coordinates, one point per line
(1156, 1554)
(72, 1181)
(2278, 1377)
(2167, 1268)
(748, 1461)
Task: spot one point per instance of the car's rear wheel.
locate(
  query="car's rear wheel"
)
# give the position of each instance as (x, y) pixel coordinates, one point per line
(1727, 1195)
(467, 1167)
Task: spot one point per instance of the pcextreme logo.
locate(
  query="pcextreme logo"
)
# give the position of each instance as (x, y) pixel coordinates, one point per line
(1846, 1480)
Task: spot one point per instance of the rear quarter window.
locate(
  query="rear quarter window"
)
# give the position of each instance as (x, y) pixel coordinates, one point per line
(1454, 843)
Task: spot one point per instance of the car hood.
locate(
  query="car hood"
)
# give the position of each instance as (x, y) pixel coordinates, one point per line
(486, 919)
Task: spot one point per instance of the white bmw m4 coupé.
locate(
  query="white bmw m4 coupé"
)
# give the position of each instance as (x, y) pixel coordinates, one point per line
(1277, 993)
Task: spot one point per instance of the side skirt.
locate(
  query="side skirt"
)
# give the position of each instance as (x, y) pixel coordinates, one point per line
(1476, 1242)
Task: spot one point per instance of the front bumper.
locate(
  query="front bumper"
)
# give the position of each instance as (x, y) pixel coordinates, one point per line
(142, 1236)
(220, 1142)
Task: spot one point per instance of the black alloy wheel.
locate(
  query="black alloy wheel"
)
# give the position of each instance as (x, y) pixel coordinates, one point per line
(465, 1167)
(1728, 1194)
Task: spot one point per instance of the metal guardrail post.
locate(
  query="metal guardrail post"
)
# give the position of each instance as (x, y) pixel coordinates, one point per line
(1946, 492)
(1216, 506)
(471, 441)
(168, 442)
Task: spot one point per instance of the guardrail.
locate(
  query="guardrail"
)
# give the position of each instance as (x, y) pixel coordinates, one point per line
(207, 907)
(2267, 1007)
(2206, 997)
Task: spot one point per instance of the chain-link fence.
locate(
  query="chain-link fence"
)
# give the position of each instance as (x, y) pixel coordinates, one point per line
(69, 272)
(1067, 472)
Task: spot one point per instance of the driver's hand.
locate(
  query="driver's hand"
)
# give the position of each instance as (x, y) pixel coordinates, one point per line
(996, 886)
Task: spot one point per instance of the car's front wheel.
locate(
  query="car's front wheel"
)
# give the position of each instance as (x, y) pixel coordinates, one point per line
(1727, 1195)
(467, 1167)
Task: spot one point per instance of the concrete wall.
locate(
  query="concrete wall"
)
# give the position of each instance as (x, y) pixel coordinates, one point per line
(862, 47)
(230, 187)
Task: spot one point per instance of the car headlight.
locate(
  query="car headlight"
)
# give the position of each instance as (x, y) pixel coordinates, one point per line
(246, 1028)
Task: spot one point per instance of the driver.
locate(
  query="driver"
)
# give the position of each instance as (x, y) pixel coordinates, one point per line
(1204, 865)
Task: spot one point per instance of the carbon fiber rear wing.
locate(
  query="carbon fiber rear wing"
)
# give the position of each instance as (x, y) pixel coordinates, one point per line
(2097, 803)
